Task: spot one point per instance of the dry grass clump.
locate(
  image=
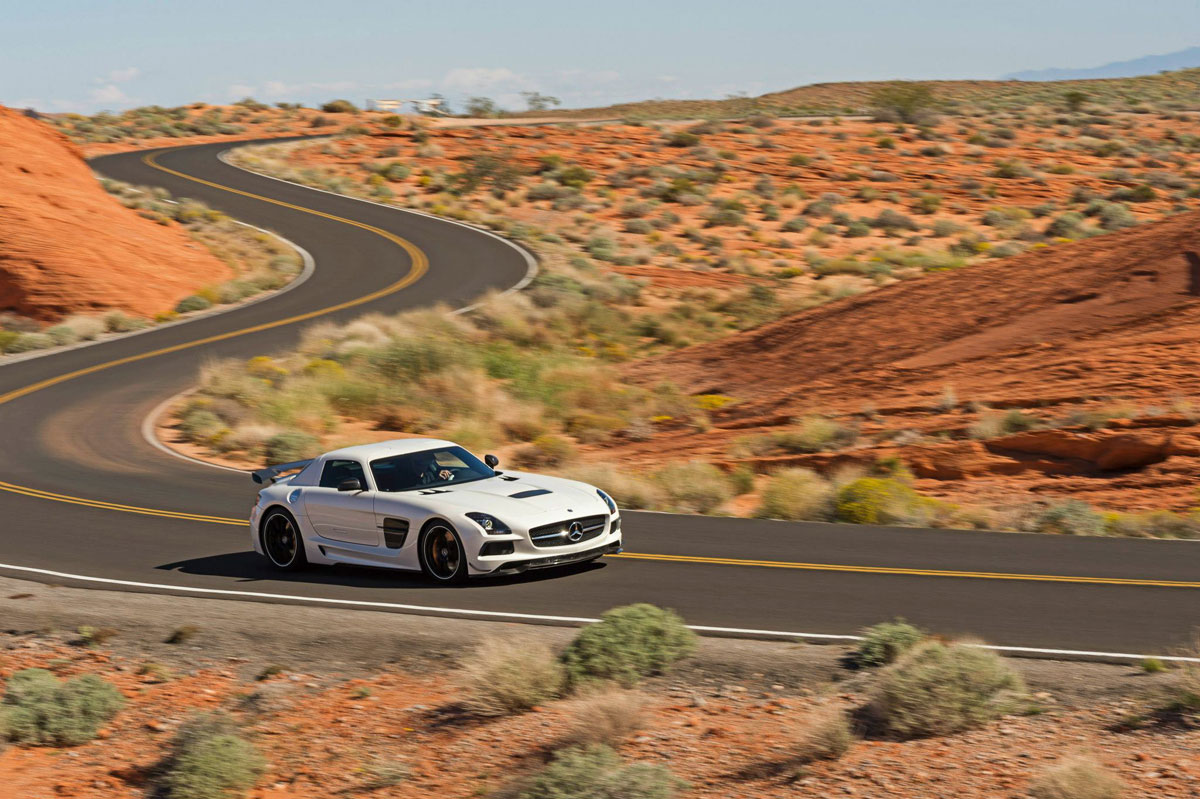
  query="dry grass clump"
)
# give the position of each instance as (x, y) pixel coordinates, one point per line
(823, 734)
(503, 676)
(797, 495)
(606, 714)
(1076, 778)
(938, 689)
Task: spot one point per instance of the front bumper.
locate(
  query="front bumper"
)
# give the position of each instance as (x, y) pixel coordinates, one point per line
(524, 555)
(518, 566)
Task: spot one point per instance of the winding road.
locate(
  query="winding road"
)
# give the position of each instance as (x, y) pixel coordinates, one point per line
(86, 500)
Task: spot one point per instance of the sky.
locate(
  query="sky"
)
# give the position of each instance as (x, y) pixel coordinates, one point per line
(88, 55)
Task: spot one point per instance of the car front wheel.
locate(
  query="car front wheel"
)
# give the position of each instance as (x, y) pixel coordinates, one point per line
(442, 555)
(281, 541)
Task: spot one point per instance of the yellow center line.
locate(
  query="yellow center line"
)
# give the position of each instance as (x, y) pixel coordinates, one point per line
(419, 266)
(833, 567)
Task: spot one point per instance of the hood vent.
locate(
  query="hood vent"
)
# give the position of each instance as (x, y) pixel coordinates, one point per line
(533, 492)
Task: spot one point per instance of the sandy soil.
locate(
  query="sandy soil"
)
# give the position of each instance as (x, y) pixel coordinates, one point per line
(351, 689)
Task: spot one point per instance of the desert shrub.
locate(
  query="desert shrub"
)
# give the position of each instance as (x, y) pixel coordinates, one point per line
(290, 446)
(824, 734)
(683, 138)
(1014, 420)
(1067, 226)
(503, 676)
(1076, 778)
(191, 303)
(627, 644)
(1072, 517)
(606, 715)
(881, 500)
(885, 642)
(797, 495)
(598, 773)
(694, 487)
(339, 107)
(903, 101)
(27, 342)
(210, 760)
(1154, 524)
(938, 689)
(794, 225)
(39, 709)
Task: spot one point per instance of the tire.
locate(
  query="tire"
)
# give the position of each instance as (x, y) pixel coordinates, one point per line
(443, 557)
(281, 540)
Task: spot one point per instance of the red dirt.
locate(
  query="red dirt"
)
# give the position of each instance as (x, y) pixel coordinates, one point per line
(321, 735)
(1112, 317)
(67, 247)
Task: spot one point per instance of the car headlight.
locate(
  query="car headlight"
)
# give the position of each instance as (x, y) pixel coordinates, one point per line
(612, 506)
(490, 524)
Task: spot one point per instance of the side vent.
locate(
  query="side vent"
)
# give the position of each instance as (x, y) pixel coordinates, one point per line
(394, 532)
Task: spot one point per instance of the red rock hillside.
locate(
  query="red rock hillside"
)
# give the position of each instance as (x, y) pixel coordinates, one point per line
(1109, 325)
(67, 247)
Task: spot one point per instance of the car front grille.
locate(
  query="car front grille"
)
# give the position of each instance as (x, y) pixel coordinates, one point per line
(559, 533)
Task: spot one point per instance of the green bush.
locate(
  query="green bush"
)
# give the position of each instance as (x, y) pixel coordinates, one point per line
(39, 709)
(1076, 778)
(339, 107)
(506, 676)
(797, 495)
(291, 446)
(937, 689)
(683, 139)
(597, 772)
(903, 101)
(7, 339)
(881, 500)
(209, 760)
(1072, 517)
(27, 342)
(884, 643)
(193, 303)
(627, 644)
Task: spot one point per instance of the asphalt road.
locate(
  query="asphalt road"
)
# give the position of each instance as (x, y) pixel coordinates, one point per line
(82, 494)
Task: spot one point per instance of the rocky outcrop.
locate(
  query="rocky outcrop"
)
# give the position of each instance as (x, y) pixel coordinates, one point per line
(67, 247)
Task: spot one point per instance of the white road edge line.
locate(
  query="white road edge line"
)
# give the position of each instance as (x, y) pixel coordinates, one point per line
(304, 275)
(536, 617)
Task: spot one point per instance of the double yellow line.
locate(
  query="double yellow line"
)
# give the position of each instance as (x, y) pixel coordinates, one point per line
(833, 567)
(420, 265)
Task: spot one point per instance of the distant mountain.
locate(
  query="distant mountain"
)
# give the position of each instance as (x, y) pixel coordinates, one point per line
(1147, 65)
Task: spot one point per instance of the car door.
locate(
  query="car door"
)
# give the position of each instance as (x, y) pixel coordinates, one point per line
(342, 515)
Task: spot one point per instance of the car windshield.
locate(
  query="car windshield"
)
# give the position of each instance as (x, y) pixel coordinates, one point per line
(430, 468)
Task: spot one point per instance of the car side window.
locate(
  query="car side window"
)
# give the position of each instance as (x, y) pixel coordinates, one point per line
(337, 472)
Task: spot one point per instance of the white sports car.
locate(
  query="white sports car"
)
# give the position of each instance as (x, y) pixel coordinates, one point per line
(429, 505)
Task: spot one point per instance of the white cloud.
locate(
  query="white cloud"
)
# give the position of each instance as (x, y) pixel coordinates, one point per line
(121, 75)
(482, 79)
(240, 90)
(278, 88)
(409, 84)
(109, 94)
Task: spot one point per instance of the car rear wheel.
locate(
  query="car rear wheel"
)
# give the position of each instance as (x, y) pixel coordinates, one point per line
(442, 555)
(282, 542)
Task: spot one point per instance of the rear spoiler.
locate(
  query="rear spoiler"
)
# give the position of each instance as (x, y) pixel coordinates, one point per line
(269, 474)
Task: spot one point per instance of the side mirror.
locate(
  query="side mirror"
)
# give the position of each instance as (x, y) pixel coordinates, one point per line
(353, 484)
(491, 460)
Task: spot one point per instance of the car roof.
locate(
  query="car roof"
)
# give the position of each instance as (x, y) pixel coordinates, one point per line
(385, 449)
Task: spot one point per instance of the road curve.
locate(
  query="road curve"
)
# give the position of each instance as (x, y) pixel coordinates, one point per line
(82, 494)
